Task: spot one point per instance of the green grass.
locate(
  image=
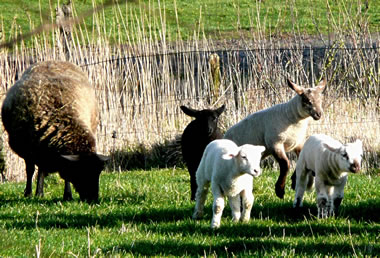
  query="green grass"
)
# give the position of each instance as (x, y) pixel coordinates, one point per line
(217, 19)
(149, 213)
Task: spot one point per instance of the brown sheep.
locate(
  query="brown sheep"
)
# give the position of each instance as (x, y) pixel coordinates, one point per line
(51, 116)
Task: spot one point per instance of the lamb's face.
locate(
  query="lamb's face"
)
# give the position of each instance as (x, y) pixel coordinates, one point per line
(351, 156)
(206, 119)
(311, 98)
(312, 102)
(249, 159)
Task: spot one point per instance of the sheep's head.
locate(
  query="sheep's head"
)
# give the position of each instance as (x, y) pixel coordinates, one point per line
(83, 172)
(248, 159)
(206, 118)
(350, 156)
(311, 98)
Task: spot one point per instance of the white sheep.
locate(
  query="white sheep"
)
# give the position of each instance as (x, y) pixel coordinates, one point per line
(328, 161)
(281, 128)
(230, 169)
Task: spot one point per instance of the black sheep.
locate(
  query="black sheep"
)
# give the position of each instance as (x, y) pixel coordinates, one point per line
(196, 136)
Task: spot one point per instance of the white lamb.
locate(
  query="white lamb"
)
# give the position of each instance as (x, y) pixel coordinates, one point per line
(230, 169)
(328, 161)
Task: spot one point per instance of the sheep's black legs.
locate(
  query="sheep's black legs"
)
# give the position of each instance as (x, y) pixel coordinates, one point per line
(283, 161)
(193, 181)
(29, 177)
(40, 183)
(67, 195)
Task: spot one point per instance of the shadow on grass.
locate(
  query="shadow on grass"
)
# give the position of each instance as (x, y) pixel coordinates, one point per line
(257, 247)
(75, 214)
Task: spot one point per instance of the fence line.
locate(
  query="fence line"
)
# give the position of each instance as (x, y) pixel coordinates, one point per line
(230, 50)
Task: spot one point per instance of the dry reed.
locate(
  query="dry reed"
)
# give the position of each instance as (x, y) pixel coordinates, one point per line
(143, 79)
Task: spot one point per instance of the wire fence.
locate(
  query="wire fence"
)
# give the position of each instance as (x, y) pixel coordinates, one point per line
(140, 95)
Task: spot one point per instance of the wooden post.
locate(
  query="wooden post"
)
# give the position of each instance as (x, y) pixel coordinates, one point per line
(64, 13)
(214, 62)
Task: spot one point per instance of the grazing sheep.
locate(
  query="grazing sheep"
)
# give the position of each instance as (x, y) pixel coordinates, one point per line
(196, 136)
(328, 161)
(51, 117)
(230, 169)
(281, 128)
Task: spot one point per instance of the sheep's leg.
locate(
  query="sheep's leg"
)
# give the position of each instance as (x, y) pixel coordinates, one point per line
(301, 184)
(248, 199)
(40, 183)
(322, 199)
(235, 207)
(200, 199)
(29, 177)
(217, 207)
(67, 195)
(338, 196)
(284, 163)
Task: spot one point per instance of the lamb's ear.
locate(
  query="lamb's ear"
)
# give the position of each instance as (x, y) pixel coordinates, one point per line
(261, 148)
(189, 111)
(220, 110)
(298, 89)
(330, 148)
(359, 143)
(321, 85)
(228, 156)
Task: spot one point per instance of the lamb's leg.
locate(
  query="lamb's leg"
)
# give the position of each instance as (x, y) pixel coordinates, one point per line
(248, 199)
(200, 198)
(193, 182)
(217, 207)
(280, 155)
(301, 184)
(67, 195)
(235, 207)
(322, 199)
(29, 177)
(40, 183)
(297, 151)
(338, 196)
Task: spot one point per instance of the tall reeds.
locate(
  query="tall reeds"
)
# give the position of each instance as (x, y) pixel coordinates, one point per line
(142, 76)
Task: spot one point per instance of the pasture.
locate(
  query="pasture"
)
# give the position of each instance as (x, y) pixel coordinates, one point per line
(149, 213)
(147, 58)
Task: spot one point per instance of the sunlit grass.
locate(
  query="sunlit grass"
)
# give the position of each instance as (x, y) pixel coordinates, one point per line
(149, 213)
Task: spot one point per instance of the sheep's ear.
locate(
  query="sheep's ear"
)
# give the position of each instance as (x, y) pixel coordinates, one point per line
(321, 85)
(189, 111)
(221, 109)
(330, 148)
(70, 157)
(228, 156)
(102, 157)
(298, 89)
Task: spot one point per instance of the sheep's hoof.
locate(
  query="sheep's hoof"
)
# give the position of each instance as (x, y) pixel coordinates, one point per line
(280, 192)
(27, 193)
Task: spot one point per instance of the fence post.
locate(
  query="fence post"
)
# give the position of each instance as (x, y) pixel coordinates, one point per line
(214, 62)
(64, 13)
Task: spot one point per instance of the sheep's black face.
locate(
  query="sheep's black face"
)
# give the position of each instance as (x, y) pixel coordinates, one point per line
(83, 172)
(207, 119)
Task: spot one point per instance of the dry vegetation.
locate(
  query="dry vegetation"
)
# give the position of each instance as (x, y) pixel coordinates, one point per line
(142, 80)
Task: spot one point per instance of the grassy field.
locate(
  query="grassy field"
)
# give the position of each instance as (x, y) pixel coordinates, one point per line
(216, 19)
(149, 213)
